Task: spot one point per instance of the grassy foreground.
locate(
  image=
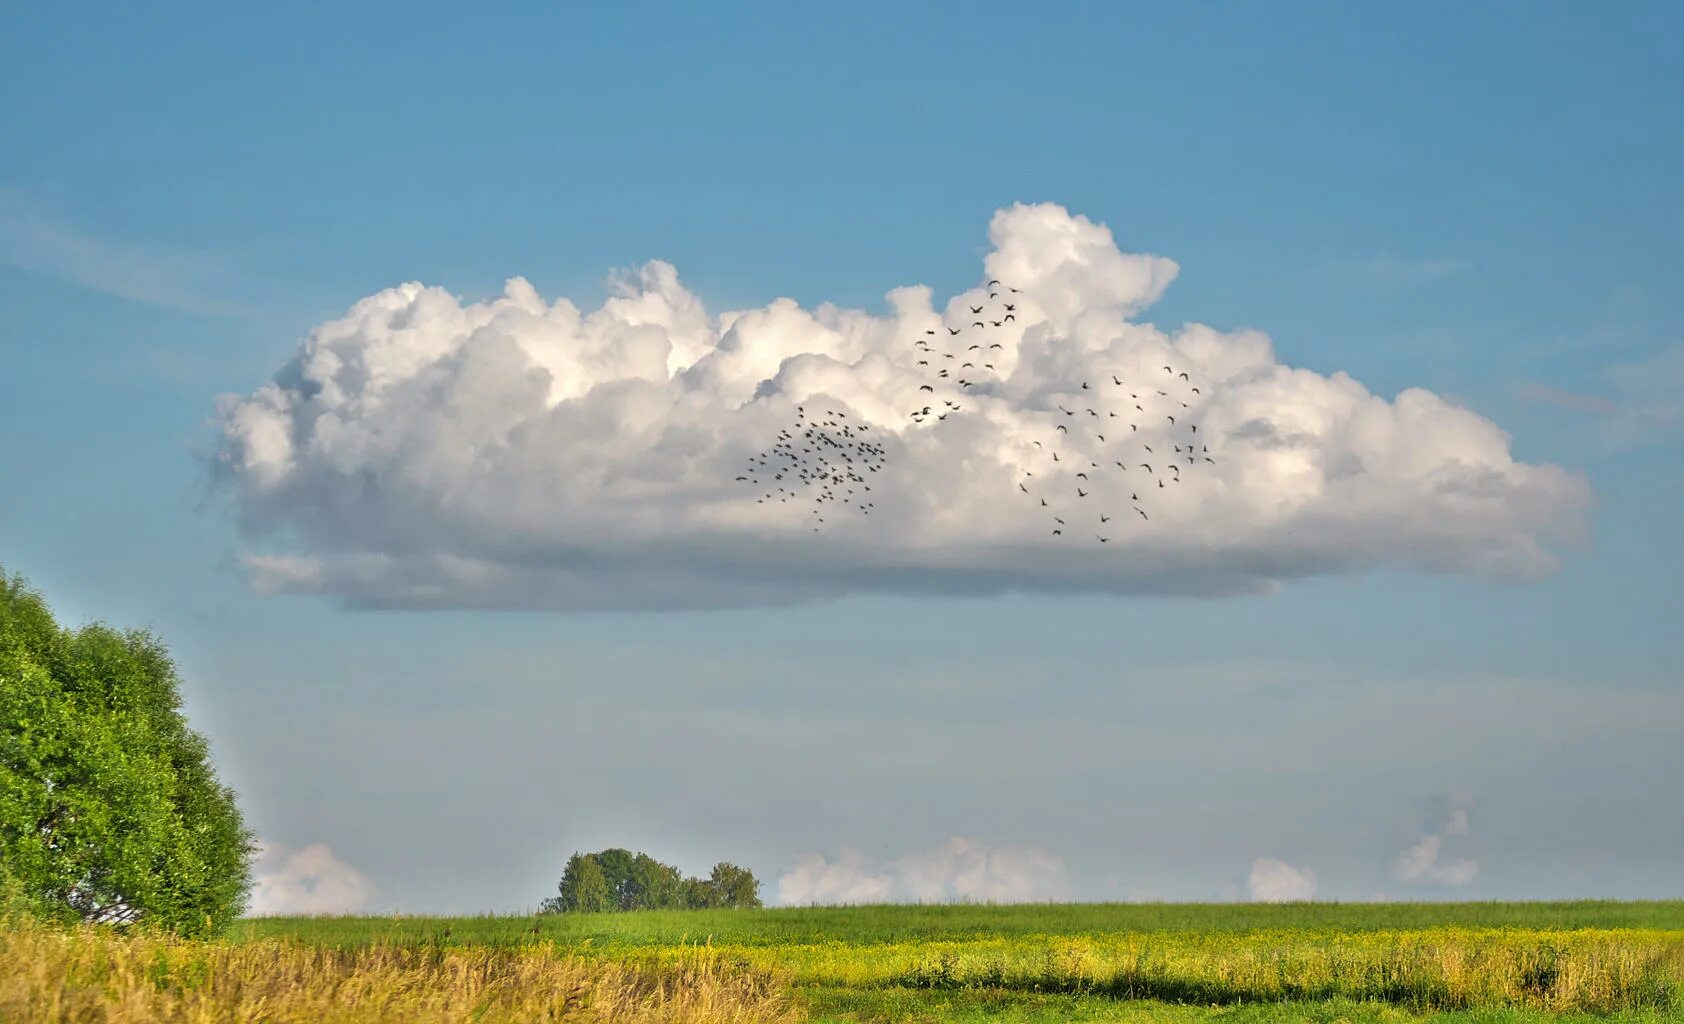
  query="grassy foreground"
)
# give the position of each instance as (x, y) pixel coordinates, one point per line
(87, 976)
(1331, 964)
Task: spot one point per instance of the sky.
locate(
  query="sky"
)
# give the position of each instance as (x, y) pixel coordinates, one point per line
(394, 366)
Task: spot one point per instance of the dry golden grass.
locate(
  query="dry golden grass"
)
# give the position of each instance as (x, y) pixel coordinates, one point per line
(51, 975)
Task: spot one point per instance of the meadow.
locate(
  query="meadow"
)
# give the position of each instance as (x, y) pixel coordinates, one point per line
(1170, 963)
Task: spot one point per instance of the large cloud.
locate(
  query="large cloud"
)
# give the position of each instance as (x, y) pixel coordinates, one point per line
(423, 451)
(959, 870)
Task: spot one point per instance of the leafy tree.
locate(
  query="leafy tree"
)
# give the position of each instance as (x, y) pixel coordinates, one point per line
(109, 807)
(616, 867)
(584, 888)
(637, 881)
(733, 886)
(653, 885)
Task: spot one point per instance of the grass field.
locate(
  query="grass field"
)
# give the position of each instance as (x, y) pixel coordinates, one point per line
(1332, 963)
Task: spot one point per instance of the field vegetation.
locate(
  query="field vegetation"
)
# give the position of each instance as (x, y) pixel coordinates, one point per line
(1094, 961)
(90, 975)
(1175, 964)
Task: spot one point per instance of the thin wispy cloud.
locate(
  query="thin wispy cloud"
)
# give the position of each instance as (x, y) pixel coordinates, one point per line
(35, 241)
(1642, 400)
(1396, 272)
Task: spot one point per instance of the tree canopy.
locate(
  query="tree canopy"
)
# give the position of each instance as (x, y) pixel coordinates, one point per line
(617, 879)
(110, 809)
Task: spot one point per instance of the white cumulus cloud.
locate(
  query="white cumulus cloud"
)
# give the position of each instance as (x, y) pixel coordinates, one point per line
(423, 450)
(310, 880)
(1276, 881)
(959, 870)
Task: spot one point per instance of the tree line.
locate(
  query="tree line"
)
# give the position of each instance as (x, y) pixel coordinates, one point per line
(619, 880)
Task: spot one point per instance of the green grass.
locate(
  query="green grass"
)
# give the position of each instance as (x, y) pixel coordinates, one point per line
(1504, 963)
(890, 924)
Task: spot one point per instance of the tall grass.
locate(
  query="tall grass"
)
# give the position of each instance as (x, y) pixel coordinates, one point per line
(766, 965)
(1594, 970)
(57, 975)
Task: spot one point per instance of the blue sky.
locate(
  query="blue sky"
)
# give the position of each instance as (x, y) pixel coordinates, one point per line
(1484, 203)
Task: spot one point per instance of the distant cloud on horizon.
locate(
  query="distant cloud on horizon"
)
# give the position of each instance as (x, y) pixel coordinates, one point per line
(1423, 864)
(1275, 881)
(959, 870)
(310, 880)
(423, 451)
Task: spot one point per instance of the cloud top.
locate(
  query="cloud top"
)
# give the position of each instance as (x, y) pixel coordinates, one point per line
(423, 450)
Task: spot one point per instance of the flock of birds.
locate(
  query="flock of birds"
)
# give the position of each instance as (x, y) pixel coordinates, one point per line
(825, 458)
(1095, 453)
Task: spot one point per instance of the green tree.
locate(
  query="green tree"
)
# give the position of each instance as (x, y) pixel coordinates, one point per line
(732, 886)
(109, 807)
(584, 888)
(653, 885)
(637, 881)
(698, 894)
(616, 865)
